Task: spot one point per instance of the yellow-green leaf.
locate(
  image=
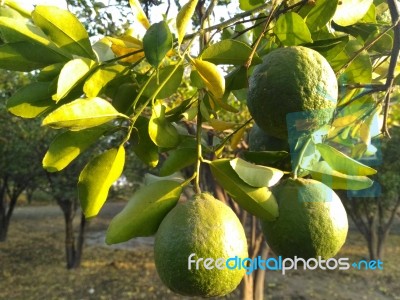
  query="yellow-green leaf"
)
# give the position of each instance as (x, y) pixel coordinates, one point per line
(336, 180)
(73, 73)
(256, 175)
(291, 30)
(64, 29)
(138, 13)
(31, 100)
(98, 80)
(349, 12)
(68, 145)
(96, 179)
(183, 18)
(258, 201)
(177, 160)
(212, 77)
(161, 132)
(81, 114)
(144, 212)
(342, 163)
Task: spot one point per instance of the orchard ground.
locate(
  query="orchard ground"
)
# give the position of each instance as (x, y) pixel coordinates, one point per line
(32, 266)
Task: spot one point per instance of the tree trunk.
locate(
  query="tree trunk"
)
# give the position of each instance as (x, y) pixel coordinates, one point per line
(259, 283)
(80, 242)
(69, 239)
(247, 290)
(3, 211)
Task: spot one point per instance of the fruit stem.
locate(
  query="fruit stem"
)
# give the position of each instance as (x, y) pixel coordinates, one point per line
(198, 146)
(301, 154)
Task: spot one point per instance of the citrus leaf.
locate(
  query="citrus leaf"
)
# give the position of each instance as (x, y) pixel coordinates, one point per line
(321, 13)
(68, 145)
(31, 100)
(98, 80)
(291, 30)
(342, 163)
(237, 137)
(349, 12)
(138, 13)
(25, 56)
(124, 46)
(157, 42)
(220, 125)
(265, 158)
(150, 178)
(258, 201)
(21, 7)
(96, 179)
(82, 113)
(360, 69)
(178, 159)
(144, 212)
(230, 52)
(336, 180)
(255, 175)
(73, 73)
(183, 18)
(170, 86)
(161, 132)
(250, 4)
(6, 11)
(146, 150)
(212, 77)
(123, 97)
(329, 48)
(49, 73)
(64, 29)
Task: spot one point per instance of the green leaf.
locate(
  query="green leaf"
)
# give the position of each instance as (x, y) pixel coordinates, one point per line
(161, 132)
(145, 149)
(250, 4)
(123, 97)
(22, 7)
(96, 179)
(212, 77)
(157, 42)
(170, 87)
(64, 29)
(144, 212)
(177, 160)
(17, 30)
(342, 163)
(265, 158)
(291, 30)
(98, 80)
(69, 145)
(258, 201)
(50, 72)
(349, 12)
(25, 56)
(360, 69)
(230, 52)
(9, 12)
(336, 180)
(329, 48)
(73, 73)
(82, 113)
(31, 100)
(256, 175)
(321, 13)
(183, 18)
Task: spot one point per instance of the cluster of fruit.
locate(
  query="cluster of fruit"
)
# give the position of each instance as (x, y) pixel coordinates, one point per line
(312, 221)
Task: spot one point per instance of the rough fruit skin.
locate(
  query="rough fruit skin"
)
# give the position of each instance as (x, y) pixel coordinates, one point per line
(312, 221)
(260, 141)
(289, 80)
(210, 229)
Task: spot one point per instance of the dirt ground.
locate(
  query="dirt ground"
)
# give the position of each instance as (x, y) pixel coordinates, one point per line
(32, 266)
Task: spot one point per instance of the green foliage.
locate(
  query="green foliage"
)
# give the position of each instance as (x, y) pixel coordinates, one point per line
(147, 96)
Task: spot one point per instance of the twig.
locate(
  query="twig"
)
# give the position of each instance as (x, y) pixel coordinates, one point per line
(394, 13)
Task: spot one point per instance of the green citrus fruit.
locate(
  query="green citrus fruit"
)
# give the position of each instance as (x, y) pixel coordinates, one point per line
(295, 85)
(260, 141)
(312, 221)
(197, 233)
